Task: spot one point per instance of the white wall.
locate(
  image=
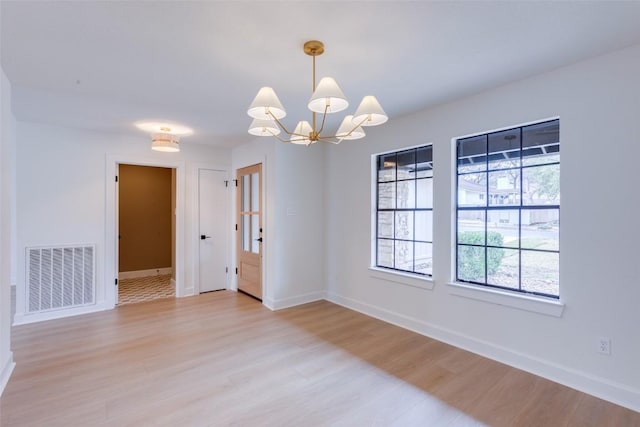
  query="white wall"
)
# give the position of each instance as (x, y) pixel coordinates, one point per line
(293, 223)
(598, 102)
(7, 149)
(62, 188)
(300, 221)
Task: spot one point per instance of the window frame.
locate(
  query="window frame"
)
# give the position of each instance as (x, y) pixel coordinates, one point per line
(392, 274)
(466, 287)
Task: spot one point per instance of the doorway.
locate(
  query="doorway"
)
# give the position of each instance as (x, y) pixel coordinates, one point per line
(213, 229)
(146, 233)
(249, 234)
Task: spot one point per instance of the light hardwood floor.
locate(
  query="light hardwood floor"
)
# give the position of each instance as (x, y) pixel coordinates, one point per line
(223, 359)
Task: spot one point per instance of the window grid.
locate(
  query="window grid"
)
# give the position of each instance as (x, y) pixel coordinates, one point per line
(420, 169)
(485, 206)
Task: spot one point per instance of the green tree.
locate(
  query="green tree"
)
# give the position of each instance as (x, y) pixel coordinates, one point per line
(543, 182)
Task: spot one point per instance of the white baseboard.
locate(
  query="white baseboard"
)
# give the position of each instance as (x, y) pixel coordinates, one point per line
(293, 301)
(23, 319)
(600, 387)
(187, 292)
(5, 374)
(144, 273)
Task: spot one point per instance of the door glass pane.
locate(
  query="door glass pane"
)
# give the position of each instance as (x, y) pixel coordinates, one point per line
(245, 190)
(255, 233)
(246, 232)
(255, 192)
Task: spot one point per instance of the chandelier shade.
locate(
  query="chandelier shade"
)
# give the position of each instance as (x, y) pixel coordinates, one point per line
(369, 112)
(346, 130)
(266, 105)
(301, 134)
(261, 127)
(326, 98)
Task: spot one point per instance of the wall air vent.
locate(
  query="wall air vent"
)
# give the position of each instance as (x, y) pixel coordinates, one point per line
(60, 277)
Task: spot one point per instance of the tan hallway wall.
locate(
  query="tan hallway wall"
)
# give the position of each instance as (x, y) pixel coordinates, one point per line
(145, 220)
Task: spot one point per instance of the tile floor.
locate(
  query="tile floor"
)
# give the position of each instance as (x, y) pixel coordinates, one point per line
(142, 289)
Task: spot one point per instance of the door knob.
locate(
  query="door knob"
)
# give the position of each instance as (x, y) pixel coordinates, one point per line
(202, 237)
(259, 239)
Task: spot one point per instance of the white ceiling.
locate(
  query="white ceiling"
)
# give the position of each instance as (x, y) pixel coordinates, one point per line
(106, 65)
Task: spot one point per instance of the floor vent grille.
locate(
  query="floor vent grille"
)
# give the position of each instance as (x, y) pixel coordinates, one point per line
(60, 277)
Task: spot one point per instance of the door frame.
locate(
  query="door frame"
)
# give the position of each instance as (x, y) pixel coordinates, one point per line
(111, 212)
(194, 173)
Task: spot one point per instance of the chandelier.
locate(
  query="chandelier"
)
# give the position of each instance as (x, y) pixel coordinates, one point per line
(266, 111)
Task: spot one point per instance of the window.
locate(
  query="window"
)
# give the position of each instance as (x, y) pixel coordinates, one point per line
(404, 210)
(508, 209)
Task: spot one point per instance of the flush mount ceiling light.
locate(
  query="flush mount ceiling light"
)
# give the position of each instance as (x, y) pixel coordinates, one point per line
(266, 111)
(164, 136)
(165, 142)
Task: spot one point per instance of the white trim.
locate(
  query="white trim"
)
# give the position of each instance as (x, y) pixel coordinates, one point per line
(611, 391)
(5, 374)
(112, 161)
(144, 273)
(24, 319)
(294, 301)
(413, 280)
(541, 305)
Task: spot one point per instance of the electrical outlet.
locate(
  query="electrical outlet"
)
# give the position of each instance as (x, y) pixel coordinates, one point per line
(604, 345)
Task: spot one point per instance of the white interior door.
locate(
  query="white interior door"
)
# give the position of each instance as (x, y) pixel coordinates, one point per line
(213, 225)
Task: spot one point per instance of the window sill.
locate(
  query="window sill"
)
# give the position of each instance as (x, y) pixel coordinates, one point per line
(402, 278)
(541, 305)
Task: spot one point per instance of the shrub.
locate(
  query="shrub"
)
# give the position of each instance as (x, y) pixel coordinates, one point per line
(471, 258)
